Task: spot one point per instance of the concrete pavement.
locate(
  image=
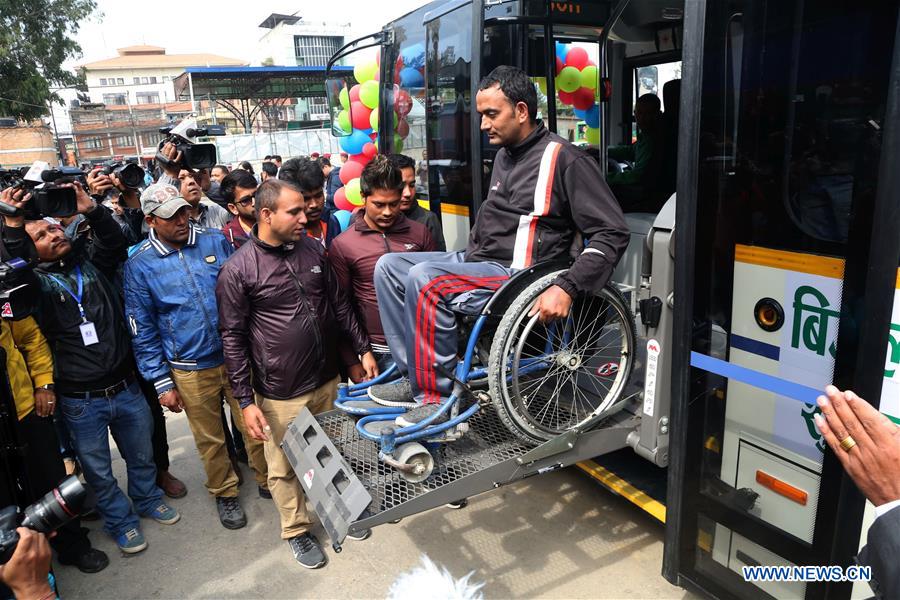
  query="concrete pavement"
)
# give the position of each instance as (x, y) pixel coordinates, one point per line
(558, 535)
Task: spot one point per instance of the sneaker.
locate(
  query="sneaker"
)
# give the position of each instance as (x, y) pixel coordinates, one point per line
(231, 515)
(132, 541)
(360, 535)
(171, 485)
(265, 493)
(458, 504)
(397, 393)
(420, 413)
(307, 551)
(164, 514)
(92, 561)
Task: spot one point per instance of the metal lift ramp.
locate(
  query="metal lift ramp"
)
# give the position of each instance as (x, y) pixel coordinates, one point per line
(352, 490)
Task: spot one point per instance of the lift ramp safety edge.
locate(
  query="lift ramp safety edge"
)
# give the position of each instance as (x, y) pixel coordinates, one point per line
(351, 490)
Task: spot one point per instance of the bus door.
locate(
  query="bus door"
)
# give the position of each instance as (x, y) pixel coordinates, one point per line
(786, 281)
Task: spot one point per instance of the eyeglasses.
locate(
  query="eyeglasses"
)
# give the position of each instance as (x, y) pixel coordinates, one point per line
(245, 201)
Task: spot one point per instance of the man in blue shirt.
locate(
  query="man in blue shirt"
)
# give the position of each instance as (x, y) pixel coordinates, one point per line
(171, 306)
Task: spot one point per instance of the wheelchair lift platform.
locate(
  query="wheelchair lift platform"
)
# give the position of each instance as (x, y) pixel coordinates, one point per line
(352, 490)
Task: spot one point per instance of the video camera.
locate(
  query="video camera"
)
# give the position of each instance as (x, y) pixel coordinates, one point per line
(193, 155)
(16, 299)
(48, 199)
(55, 509)
(129, 174)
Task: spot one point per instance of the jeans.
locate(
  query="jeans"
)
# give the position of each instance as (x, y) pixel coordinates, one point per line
(127, 416)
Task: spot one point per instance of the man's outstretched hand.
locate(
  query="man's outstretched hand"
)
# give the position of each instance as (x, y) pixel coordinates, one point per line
(874, 462)
(553, 304)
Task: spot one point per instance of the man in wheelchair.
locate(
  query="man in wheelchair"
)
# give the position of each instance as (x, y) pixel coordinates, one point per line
(543, 192)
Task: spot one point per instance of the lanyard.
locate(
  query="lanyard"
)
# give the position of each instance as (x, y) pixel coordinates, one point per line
(75, 297)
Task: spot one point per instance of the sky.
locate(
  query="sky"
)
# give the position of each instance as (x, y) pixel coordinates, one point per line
(227, 29)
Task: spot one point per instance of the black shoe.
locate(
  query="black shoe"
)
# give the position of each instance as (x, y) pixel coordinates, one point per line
(458, 504)
(397, 393)
(420, 413)
(92, 561)
(231, 515)
(265, 493)
(307, 551)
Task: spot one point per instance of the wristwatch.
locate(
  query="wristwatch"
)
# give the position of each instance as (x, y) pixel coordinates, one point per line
(47, 386)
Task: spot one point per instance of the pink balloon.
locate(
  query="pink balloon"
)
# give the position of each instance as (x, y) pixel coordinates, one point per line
(402, 103)
(583, 98)
(370, 150)
(340, 199)
(403, 128)
(350, 171)
(566, 97)
(577, 57)
(354, 93)
(359, 115)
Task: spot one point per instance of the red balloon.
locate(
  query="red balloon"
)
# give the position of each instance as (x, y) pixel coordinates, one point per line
(354, 93)
(577, 57)
(566, 97)
(359, 115)
(403, 128)
(340, 199)
(369, 150)
(402, 103)
(591, 63)
(583, 98)
(350, 170)
(559, 65)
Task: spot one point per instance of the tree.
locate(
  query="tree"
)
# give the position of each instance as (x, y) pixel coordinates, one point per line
(36, 38)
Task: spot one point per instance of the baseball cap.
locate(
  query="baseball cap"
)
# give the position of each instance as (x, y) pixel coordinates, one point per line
(162, 200)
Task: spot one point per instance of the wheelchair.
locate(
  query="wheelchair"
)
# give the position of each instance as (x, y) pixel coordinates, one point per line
(543, 380)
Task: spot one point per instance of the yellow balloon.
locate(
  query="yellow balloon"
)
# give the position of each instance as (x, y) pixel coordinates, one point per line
(589, 77)
(569, 79)
(592, 135)
(365, 71)
(542, 84)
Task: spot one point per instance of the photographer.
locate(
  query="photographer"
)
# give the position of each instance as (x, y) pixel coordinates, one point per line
(81, 314)
(129, 215)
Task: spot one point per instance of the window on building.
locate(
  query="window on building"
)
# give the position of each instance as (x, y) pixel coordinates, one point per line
(144, 80)
(147, 97)
(153, 80)
(165, 77)
(91, 143)
(315, 50)
(103, 81)
(137, 80)
(123, 140)
(114, 99)
(150, 139)
(119, 81)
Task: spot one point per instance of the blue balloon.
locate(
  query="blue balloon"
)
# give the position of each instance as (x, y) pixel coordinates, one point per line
(410, 77)
(343, 217)
(413, 56)
(580, 113)
(561, 51)
(353, 143)
(592, 116)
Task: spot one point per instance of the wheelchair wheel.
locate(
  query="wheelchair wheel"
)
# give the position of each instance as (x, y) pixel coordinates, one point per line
(546, 379)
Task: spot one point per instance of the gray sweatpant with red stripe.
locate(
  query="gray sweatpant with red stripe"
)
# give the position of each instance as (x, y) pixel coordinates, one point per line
(419, 296)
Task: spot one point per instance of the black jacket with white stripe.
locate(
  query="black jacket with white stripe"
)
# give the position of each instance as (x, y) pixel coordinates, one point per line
(543, 192)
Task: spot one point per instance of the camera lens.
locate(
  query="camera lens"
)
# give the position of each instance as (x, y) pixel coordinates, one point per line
(57, 507)
(131, 175)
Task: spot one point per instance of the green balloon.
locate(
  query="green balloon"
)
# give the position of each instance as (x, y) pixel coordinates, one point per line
(542, 84)
(365, 72)
(569, 79)
(398, 144)
(354, 195)
(343, 120)
(368, 93)
(344, 97)
(592, 135)
(589, 77)
(373, 120)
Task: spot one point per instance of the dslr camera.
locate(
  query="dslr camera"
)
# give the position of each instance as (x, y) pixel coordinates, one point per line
(58, 506)
(193, 155)
(129, 174)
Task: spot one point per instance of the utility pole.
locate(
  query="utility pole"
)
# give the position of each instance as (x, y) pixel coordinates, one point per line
(59, 154)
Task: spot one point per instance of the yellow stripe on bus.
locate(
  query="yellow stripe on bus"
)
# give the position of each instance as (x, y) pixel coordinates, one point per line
(618, 485)
(455, 209)
(790, 261)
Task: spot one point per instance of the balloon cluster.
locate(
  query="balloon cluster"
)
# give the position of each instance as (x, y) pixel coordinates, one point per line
(576, 85)
(359, 119)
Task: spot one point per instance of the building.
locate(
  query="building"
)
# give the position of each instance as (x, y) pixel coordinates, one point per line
(131, 97)
(23, 143)
(291, 41)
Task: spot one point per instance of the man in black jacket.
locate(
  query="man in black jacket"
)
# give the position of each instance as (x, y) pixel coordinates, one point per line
(543, 191)
(80, 313)
(279, 309)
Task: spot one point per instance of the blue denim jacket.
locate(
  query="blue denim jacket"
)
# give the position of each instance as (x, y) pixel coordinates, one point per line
(170, 303)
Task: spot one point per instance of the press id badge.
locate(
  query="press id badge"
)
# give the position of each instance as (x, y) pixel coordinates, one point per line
(88, 333)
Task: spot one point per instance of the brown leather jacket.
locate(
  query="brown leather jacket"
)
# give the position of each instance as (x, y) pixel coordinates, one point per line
(279, 310)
